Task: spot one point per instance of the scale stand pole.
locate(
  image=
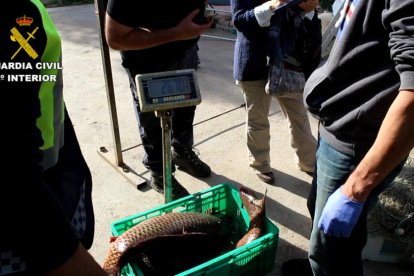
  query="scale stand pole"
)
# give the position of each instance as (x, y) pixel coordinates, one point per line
(166, 124)
(100, 6)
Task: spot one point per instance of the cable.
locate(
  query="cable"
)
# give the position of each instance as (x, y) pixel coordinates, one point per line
(211, 118)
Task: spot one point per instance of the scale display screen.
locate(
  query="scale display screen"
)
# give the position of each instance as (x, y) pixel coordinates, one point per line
(167, 90)
(168, 87)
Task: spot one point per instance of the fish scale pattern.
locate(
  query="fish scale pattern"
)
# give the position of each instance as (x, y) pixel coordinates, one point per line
(164, 225)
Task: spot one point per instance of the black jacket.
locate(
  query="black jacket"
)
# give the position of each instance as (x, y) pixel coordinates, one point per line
(372, 59)
(37, 232)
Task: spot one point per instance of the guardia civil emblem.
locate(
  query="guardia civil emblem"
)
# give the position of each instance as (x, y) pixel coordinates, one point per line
(17, 37)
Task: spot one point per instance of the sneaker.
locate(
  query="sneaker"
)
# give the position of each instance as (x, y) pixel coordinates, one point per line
(297, 267)
(157, 183)
(268, 178)
(188, 160)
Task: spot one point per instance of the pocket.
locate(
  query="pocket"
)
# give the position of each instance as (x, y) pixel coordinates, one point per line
(315, 94)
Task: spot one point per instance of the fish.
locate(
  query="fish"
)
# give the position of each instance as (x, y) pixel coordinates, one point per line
(159, 227)
(173, 255)
(172, 243)
(257, 214)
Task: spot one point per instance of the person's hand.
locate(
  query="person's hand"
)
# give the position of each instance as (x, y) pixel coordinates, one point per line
(309, 5)
(80, 264)
(187, 29)
(277, 3)
(340, 215)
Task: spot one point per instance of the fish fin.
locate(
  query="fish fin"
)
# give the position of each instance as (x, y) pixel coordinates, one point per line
(264, 198)
(247, 192)
(212, 211)
(112, 239)
(251, 203)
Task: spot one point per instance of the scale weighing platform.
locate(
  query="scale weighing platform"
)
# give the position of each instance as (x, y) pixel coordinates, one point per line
(162, 92)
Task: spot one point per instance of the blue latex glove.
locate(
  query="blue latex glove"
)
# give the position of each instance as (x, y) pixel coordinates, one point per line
(339, 215)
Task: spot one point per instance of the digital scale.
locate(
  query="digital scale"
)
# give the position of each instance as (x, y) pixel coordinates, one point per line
(167, 90)
(162, 92)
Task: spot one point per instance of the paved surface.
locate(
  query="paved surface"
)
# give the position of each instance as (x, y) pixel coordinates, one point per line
(221, 141)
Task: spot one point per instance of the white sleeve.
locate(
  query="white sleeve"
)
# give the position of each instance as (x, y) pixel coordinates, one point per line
(263, 13)
(310, 15)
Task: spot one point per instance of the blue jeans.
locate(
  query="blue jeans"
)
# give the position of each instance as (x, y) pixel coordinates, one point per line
(331, 255)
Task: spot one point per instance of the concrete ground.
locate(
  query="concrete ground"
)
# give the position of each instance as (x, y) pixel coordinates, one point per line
(221, 141)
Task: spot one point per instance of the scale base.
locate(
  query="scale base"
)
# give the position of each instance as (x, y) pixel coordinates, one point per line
(126, 171)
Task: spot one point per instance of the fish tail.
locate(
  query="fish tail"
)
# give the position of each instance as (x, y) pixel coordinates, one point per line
(263, 200)
(256, 210)
(250, 201)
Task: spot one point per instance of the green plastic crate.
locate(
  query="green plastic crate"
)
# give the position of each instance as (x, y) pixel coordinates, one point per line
(255, 258)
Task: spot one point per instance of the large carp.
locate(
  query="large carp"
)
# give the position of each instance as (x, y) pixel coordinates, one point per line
(184, 234)
(173, 224)
(173, 255)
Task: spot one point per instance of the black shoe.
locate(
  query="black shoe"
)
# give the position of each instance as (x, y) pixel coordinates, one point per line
(309, 173)
(268, 178)
(157, 183)
(187, 159)
(297, 267)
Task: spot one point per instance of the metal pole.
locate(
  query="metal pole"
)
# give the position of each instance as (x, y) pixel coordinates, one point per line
(166, 124)
(218, 37)
(100, 7)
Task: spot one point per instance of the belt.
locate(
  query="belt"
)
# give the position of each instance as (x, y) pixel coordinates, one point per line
(289, 66)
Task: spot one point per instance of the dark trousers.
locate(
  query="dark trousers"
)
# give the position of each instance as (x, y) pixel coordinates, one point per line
(150, 126)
